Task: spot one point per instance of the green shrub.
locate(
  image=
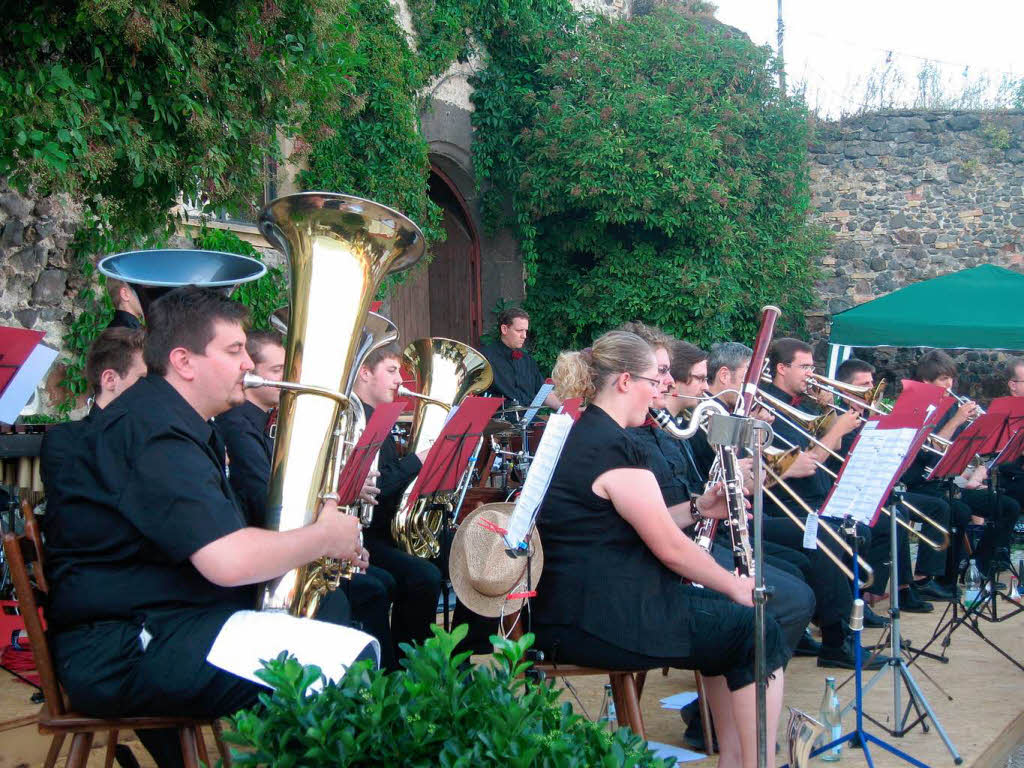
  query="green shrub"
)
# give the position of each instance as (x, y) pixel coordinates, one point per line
(437, 711)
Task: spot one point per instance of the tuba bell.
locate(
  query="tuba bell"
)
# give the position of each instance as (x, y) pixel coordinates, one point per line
(339, 249)
(153, 273)
(445, 372)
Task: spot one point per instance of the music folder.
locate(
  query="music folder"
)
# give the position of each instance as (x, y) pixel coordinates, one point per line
(986, 434)
(24, 360)
(360, 460)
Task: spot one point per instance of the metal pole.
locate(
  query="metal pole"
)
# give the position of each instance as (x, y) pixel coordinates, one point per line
(781, 64)
(760, 596)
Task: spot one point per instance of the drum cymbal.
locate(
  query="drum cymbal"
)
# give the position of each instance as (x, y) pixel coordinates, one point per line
(498, 426)
(514, 409)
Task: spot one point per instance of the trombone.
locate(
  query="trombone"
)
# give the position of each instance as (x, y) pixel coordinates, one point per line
(804, 422)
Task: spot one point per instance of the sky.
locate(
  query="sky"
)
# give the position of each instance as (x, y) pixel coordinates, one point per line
(834, 47)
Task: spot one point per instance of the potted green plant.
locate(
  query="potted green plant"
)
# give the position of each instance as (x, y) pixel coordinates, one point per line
(437, 711)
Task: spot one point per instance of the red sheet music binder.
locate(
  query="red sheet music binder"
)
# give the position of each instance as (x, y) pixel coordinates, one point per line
(16, 344)
(357, 468)
(986, 434)
(572, 406)
(453, 448)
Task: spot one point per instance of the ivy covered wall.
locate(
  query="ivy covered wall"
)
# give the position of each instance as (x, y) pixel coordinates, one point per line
(625, 168)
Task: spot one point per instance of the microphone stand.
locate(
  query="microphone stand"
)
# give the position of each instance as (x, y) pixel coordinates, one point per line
(900, 672)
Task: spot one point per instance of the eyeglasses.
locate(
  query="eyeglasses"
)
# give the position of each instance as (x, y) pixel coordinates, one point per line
(662, 370)
(656, 383)
(805, 367)
(701, 379)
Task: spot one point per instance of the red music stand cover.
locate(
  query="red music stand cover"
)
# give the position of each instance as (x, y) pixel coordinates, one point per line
(450, 453)
(357, 468)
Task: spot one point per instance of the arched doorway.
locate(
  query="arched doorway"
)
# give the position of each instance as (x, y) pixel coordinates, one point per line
(444, 299)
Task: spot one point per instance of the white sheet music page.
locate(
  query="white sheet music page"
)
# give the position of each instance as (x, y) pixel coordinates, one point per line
(542, 468)
(869, 470)
(538, 401)
(250, 637)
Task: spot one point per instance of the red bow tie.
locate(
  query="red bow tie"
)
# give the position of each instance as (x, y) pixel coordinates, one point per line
(516, 354)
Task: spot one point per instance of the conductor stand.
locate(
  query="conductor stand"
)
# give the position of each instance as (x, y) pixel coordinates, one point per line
(897, 665)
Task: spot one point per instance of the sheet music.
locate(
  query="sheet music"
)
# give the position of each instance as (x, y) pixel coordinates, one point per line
(20, 388)
(538, 401)
(869, 470)
(542, 469)
(249, 637)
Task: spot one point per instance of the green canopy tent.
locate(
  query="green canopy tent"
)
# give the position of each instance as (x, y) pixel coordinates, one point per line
(972, 309)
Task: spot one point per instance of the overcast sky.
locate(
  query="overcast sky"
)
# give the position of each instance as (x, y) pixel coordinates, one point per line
(834, 46)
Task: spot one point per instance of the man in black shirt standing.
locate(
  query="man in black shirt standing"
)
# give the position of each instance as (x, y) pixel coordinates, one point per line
(516, 375)
(150, 555)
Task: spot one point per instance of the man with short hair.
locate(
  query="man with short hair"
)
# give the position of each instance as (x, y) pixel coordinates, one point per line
(127, 308)
(930, 563)
(151, 554)
(516, 375)
(245, 429)
(112, 364)
(417, 581)
(973, 502)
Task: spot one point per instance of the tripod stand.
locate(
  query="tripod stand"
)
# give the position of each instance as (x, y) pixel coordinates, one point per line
(901, 677)
(858, 736)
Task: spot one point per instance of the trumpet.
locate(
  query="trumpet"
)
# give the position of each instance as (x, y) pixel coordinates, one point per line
(961, 399)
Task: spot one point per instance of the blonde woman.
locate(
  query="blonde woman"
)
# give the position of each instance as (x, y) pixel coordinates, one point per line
(611, 595)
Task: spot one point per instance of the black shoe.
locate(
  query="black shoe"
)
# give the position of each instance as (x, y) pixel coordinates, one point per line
(843, 657)
(690, 712)
(872, 620)
(693, 738)
(912, 603)
(930, 588)
(807, 646)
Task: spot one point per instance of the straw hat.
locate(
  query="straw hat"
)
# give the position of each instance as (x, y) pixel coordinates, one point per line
(483, 574)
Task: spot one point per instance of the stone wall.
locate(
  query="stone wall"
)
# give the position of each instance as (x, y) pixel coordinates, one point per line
(909, 196)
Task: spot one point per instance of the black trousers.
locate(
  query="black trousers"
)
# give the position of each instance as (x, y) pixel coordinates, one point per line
(930, 562)
(879, 554)
(370, 595)
(791, 603)
(721, 643)
(417, 589)
(832, 592)
(1000, 512)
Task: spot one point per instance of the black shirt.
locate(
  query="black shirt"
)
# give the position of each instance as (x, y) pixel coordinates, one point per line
(515, 378)
(396, 472)
(57, 445)
(124, 319)
(599, 574)
(141, 491)
(250, 451)
(667, 459)
(814, 488)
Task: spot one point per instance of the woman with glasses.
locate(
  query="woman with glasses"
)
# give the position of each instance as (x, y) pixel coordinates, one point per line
(611, 594)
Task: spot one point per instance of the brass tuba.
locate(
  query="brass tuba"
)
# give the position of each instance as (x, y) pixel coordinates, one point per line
(445, 372)
(339, 249)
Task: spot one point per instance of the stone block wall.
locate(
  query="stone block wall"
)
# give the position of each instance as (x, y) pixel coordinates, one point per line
(913, 195)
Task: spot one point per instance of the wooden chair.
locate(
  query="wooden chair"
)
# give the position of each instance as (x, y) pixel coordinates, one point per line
(627, 686)
(54, 717)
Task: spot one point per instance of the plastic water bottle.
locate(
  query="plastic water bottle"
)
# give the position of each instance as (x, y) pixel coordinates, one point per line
(608, 709)
(832, 719)
(972, 585)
